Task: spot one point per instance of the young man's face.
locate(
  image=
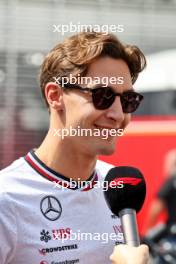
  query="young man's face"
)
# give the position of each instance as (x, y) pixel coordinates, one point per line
(80, 111)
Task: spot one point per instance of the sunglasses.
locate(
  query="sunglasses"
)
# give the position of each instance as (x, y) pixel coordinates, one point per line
(103, 97)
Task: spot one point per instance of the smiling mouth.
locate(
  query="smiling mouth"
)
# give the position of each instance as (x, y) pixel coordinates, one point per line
(104, 127)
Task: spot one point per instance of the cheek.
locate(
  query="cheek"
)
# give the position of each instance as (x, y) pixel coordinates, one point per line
(126, 120)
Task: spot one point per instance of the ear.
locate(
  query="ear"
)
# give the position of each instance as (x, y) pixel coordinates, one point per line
(54, 96)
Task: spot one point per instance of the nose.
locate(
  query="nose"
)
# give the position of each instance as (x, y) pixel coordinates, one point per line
(115, 111)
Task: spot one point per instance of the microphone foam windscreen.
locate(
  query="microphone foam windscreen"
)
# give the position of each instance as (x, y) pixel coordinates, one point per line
(126, 189)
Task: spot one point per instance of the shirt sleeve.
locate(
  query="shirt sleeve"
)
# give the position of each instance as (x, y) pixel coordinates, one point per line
(166, 189)
(8, 232)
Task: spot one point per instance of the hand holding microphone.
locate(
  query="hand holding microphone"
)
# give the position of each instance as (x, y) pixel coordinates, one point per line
(124, 254)
(125, 202)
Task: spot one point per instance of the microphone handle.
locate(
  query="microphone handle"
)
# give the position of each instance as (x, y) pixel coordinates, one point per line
(129, 227)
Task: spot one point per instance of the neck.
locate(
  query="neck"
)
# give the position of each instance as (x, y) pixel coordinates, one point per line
(63, 158)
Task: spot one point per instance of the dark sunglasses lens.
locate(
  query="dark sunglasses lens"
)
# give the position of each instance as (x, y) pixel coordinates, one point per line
(103, 98)
(130, 101)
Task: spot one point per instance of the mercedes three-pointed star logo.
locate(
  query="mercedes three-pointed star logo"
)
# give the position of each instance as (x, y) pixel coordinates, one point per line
(51, 208)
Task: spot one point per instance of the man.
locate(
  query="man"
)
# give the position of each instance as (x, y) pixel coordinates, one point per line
(43, 216)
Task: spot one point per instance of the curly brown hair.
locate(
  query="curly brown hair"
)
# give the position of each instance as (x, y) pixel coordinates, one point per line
(77, 52)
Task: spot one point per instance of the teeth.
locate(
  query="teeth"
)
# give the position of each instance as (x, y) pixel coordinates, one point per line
(103, 127)
(99, 127)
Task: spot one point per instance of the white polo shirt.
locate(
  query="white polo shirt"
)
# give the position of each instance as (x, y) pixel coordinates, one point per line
(44, 219)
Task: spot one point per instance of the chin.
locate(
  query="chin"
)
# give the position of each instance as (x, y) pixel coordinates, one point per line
(107, 150)
(107, 146)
